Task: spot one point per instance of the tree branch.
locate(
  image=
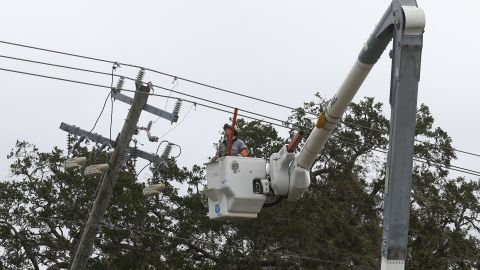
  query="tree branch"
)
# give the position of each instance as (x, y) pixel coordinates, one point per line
(376, 187)
(319, 172)
(60, 265)
(202, 251)
(28, 252)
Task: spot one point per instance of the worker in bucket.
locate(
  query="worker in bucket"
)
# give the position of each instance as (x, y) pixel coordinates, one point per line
(239, 148)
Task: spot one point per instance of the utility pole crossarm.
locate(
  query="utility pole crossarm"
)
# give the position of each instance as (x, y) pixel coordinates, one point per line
(109, 180)
(149, 108)
(102, 140)
(90, 136)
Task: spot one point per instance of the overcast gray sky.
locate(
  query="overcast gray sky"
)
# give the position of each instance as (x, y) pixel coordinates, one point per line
(283, 51)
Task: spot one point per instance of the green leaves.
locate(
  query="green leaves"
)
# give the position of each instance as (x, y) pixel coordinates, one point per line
(335, 225)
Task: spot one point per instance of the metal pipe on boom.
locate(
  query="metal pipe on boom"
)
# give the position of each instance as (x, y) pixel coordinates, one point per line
(327, 121)
(299, 170)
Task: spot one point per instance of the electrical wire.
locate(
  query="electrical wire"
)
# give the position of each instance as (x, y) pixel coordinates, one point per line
(179, 150)
(160, 144)
(171, 90)
(134, 91)
(169, 95)
(415, 158)
(193, 82)
(214, 102)
(111, 102)
(133, 79)
(56, 65)
(177, 124)
(54, 78)
(148, 69)
(139, 172)
(101, 112)
(285, 125)
(174, 84)
(194, 241)
(111, 117)
(58, 52)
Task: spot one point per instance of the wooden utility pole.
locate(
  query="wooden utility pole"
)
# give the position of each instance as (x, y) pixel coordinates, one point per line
(109, 179)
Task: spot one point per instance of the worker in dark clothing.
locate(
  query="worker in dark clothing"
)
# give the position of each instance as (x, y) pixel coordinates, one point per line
(239, 148)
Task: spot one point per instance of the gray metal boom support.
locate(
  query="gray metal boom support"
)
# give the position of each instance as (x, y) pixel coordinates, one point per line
(406, 60)
(404, 22)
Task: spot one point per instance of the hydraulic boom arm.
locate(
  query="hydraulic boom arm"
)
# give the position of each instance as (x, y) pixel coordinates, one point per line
(237, 187)
(413, 22)
(289, 174)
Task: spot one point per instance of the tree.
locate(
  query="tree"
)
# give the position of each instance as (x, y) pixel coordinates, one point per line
(44, 207)
(335, 225)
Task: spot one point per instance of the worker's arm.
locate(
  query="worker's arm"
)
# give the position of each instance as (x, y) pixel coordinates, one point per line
(243, 149)
(244, 152)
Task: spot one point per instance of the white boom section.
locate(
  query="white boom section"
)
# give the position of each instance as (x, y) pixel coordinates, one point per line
(392, 264)
(327, 121)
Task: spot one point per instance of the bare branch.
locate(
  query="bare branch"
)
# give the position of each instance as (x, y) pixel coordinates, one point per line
(22, 241)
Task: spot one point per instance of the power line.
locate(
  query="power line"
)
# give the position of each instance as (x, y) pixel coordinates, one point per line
(175, 77)
(415, 158)
(60, 52)
(105, 73)
(193, 241)
(141, 170)
(133, 91)
(174, 84)
(54, 78)
(215, 102)
(101, 112)
(191, 81)
(383, 150)
(129, 78)
(177, 124)
(114, 67)
(148, 69)
(56, 65)
(166, 133)
(285, 125)
(133, 79)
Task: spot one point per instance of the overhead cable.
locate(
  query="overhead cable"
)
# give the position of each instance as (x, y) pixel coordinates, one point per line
(175, 77)
(285, 125)
(194, 241)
